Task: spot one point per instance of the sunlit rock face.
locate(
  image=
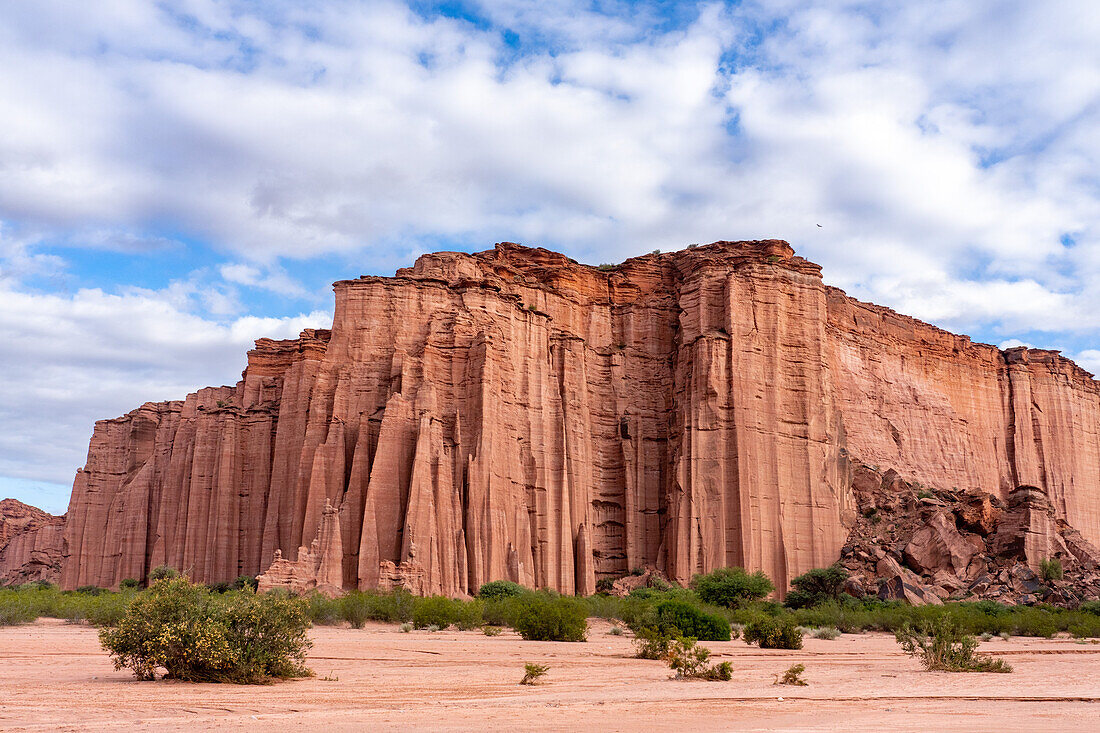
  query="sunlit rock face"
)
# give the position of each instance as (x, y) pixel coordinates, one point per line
(513, 414)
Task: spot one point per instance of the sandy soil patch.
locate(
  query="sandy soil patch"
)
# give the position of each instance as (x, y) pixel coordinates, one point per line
(53, 676)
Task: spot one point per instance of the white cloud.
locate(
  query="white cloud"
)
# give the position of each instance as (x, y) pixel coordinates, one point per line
(945, 148)
(72, 360)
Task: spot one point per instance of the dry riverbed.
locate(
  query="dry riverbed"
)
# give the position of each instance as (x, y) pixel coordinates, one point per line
(53, 676)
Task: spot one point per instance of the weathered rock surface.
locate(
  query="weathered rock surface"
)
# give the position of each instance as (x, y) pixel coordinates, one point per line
(927, 545)
(319, 568)
(31, 544)
(512, 414)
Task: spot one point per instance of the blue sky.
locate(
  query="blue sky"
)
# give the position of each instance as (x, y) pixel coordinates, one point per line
(178, 179)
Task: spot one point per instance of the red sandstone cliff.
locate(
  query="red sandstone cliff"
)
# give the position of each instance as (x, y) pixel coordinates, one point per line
(31, 544)
(513, 414)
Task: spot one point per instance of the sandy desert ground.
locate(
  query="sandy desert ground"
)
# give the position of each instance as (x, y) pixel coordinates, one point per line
(53, 676)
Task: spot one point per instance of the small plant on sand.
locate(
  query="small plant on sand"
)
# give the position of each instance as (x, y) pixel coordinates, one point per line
(651, 643)
(491, 630)
(1005, 636)
(773, 633)
(689, 660)
(793, 676)
(828, 633)
(432, 628)
(942, 646)
(615, 631)
(406, 627)
(1051, 569)
(533, 672)
(986, 636)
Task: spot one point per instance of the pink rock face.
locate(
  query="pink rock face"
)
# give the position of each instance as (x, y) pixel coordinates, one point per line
(31, 544)
(515, 415)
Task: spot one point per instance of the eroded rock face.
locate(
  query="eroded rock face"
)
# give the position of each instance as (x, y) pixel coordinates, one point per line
(32, 544)
(926, 545)
(515, 415)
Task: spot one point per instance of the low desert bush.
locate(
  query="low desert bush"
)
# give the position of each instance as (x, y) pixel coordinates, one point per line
(469, 614)
(532, 672)
(434, 611)
(828, 633)
(497, 589)
(542, 617)
(358, 607)
(774, 633)
(942, 646)
(161, 572)
(651, 643)
(129, 584)
(18, 607)
(683, 619)
(405, 628)
(689, 660)
(817, 586)
(793, 676)
(245, 581)
(323, 610)
(198, 636)
(1051, 569)
(731, 587)
(492, 630)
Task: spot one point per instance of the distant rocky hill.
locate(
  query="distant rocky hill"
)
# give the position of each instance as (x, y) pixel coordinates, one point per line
(514, 414)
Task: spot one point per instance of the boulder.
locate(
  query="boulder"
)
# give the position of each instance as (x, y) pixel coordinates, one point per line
(939, 546)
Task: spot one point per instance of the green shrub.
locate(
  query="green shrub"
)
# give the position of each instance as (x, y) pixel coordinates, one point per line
(651, 643)
(161, 572)
(545, 618)
(731, 587)
(689, 660)
(828, 633)
(497, 589)
(1092, 607)
(492, 630)
(434, 611)
(817, 586)
(245, 581)
(1051, 569)
(18, 607)
(129, 584)
(793, 676)
(942, 646)
(90, 590)
(356, 608)
(469, 614)
(197, 636)
(774, 633)
(323, 610)
(532, 673)
(687, 620)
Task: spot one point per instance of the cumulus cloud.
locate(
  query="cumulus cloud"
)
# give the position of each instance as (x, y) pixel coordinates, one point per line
(72, 360)
(939, 157)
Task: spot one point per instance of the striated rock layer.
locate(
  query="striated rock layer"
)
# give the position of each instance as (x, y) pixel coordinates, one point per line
(513, 414)
(31, 544)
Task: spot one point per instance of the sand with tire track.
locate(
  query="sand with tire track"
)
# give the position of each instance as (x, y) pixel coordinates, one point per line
(54, 676)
